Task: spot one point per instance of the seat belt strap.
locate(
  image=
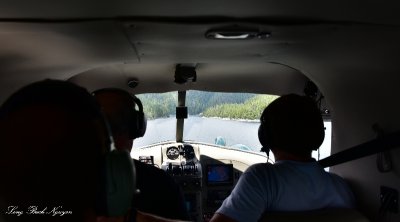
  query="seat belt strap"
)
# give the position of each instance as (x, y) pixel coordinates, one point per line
(382, 143)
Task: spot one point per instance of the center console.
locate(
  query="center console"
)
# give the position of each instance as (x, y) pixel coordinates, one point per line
(182, 163)
(205, 184)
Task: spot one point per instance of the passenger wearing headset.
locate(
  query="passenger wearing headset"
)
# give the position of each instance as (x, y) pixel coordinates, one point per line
(58, 161)
(159, 194)
(291, 127)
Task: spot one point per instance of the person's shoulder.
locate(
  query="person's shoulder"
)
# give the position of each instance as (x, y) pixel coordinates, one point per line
(259, 170)
(143, 167)
(259, 167)
(336, 178)
(149, 176)
(140, 165)
(157, 188)
(339, 181)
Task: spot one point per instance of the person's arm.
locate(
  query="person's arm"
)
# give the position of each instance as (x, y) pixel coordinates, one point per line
(145, 217)
(247, 201)
(221, 218)
(158, 188)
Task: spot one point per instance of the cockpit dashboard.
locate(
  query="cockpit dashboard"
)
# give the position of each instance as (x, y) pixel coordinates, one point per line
(206, 173)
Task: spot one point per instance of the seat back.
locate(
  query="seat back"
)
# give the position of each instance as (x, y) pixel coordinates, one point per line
(324, 215)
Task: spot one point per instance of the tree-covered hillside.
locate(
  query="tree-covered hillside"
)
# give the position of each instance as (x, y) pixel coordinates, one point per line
(198, 101)
(251, 109)
(210, 104)
(158, 105)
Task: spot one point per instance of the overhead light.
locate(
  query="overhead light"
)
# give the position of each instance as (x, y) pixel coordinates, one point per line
(235, 33)
(230, 35)
(237, 36)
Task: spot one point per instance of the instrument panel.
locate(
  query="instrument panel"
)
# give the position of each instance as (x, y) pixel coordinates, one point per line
(185, 151)
(206, 173)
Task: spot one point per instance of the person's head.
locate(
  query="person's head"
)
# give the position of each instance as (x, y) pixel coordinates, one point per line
(52, 138)
(127, 122)
(292, 124)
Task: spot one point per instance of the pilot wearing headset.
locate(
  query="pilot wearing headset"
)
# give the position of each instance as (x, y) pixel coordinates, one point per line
(291, 127)
(159, 194)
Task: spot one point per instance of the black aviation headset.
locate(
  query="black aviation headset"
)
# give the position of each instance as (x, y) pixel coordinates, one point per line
(133, 120)
(119, 180)
(262, 138)
(291, 117)
(116, 174)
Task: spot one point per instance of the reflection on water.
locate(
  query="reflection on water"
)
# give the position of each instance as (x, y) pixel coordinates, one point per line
(239, 134)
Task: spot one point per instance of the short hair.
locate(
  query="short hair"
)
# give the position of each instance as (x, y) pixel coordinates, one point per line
(293, 123)
(53, 137)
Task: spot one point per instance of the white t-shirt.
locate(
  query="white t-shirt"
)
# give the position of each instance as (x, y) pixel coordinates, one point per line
(285, 186)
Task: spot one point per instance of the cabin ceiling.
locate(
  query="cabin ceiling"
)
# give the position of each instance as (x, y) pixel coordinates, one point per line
(88, 42)
(368, 11)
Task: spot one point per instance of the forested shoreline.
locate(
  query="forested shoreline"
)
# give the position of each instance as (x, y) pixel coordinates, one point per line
(251, 109)
(208, 104)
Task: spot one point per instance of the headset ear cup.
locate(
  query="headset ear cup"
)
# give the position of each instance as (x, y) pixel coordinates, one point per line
(143, 124)
(134, 125)
(140, 123)
(120, 182)
(262, 137)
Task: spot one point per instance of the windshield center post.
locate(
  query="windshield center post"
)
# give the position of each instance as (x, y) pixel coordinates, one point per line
(181, 115)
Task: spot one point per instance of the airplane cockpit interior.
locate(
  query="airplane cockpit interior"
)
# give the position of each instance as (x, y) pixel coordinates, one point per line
(205, 71)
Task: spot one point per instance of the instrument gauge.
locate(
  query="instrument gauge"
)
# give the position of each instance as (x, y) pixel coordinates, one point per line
(172, 153)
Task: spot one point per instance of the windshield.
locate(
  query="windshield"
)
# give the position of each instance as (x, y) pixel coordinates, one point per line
(225, 119)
